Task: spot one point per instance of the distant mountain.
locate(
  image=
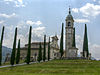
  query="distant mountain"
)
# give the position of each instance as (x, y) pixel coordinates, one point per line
(5, 51)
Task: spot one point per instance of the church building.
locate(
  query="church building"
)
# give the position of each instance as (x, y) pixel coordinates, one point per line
(54, 49)
(71, 51)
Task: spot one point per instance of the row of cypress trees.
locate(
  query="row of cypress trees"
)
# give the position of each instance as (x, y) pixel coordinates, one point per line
(14, 48)
(17, 58)
(43, 56)
(13, 54)
(29, 49)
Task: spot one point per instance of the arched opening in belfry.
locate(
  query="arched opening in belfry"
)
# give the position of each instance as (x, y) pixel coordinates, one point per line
(69, 24)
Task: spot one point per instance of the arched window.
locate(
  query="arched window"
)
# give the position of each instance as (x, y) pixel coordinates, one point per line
(69, 24)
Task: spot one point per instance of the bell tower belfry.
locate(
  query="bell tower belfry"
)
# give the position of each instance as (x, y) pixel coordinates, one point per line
(69, 31)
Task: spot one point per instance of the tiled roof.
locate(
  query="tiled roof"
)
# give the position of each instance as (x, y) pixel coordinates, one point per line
(27, 48)
(37, 43)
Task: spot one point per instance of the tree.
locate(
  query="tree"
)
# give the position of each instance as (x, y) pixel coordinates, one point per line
(29, 47)
(44, 52)
(61, 41)
(18, 53)
(14, 49)
(85, 43)
(1, 45)
(74, 43)
(49, 50)
(40, 53)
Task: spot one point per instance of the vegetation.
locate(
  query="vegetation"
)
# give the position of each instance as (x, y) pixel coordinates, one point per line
(61, 41)
(40, 53)
(74, 43)
(49, 50)
(44, 52)
(14, 49)
(56, 67)
(29, 47)
(85, 43)
(1, 45)
(18, 53)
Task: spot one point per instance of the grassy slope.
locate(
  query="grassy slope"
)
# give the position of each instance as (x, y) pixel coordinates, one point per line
(56, 67)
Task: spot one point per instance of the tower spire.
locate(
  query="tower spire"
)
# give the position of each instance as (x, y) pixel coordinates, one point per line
(69, 10)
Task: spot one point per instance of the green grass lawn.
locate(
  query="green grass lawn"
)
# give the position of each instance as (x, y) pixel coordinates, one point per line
(56, 67)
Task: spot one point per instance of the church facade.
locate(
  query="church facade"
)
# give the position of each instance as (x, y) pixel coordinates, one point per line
(70, 49)
(54, 49)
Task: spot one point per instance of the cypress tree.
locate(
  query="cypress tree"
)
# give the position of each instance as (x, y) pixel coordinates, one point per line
(1, 45)
(61, 41)
(44, 52)
(49, 50)
(14, 49)
(18, 53)
(29, 47)
(40, 53)
(85, 43)
(74, 43)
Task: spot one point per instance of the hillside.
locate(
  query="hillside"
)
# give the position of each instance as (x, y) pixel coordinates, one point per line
(56, 67)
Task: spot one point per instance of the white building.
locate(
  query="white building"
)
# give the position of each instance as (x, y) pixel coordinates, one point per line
(54, 49)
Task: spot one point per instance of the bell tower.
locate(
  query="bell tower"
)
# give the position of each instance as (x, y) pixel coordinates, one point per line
(69, 31)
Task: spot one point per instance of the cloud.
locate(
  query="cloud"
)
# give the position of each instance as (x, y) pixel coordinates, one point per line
(39, 31)
(23, 32)
(21, 1)
(94, 0)
(33, 23)
(18, 3)
(81, 20)
(23, 39)
(1, 21)
(99, 1)
(94, 49)
(89, 10)
(7, 16)
(21, 25)
(75, 10)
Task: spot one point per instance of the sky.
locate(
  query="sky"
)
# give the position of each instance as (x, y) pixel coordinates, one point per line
(46, 17)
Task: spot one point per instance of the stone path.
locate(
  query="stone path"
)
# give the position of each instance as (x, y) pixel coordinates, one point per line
(16, 65)
(19, 64)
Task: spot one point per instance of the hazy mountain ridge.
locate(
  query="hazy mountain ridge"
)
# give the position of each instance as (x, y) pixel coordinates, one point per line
(5, 50)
